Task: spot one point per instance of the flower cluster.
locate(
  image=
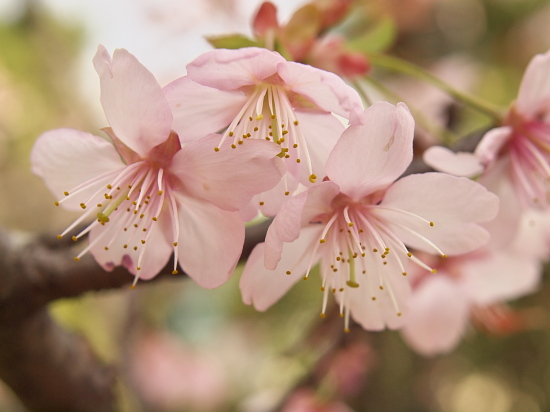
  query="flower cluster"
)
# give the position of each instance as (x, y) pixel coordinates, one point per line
(247, 132)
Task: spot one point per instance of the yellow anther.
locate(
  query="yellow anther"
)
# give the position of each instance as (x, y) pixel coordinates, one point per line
(109, 187)
(399, 314)
(106, 248)
(431, 223)
(143, 242)
(175, 243)
(83, 206)
(135, 247)
(160, 192)
(260, 117)
(305, 278)
(298, 160)
(285, 132)
(443, 255)
(233, 146)
(404, 273)
(76, 258)
(240, 142)
(56, 203)
(132, 287)
(66, 193)
(322, 241)
(59, 236)
(381, 287)
(99, 205)
(141, 216)
(322, 288)
(287, 193)
(352, 284)
(373, 298)
(409, 254)
(175, 272)
(250, 118)
(216, 149)
(323, 315)
(295, 122)
(295, 145)
(231, 134)
(125, 246)
(262, 203)
(350, 224)
(273, 116)
(74, 238)
(375, 250)
(434, 270)
(154, 219)
(138, 268)
(288, 272)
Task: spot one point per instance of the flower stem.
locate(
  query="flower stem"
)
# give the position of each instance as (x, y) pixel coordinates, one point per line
(402, 66)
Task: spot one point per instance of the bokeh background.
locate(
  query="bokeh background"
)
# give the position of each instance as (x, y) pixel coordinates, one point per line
(181, 348)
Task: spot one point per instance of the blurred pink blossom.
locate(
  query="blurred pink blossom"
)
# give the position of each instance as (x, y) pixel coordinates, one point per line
(170, 375)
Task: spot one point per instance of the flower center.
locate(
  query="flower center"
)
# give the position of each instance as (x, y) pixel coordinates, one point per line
(268, 114)
(127, 203)
(530, 157)
(360, 246)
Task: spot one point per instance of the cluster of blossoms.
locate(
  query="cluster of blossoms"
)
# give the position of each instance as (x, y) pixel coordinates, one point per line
(247, 132)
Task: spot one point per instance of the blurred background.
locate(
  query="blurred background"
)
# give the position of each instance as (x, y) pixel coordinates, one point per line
(182, 348)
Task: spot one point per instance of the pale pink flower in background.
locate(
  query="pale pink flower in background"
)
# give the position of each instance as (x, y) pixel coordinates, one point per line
(149, 196)
(359, 223)
(442, 305)
(171, 375)
(515, 158)
(305, 400)
(256, 94)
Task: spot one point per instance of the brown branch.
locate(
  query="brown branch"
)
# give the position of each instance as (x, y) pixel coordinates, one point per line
(49, 368)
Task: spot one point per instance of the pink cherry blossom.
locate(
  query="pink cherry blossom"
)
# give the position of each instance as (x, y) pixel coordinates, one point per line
(151, 197)
(518, 153)
(441, 305)
(360, 224)
(256, 94)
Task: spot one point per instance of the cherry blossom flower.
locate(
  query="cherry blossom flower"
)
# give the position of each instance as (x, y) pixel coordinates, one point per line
(514, 159)
(256, 94)
(441, 305)
(360, 223)
(150, 196)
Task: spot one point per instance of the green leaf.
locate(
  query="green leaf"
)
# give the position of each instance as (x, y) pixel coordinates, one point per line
(377, 38)
(231, 41)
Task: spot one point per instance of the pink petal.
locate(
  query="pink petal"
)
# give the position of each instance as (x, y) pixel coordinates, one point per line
(232, 69)
(445, 160)
(269, 203)
(295, 213)
(442, 198)
(132, 100)
(199, 110)
(437, 317)
(382, 312)
(453, 204)
(504, 227)
(321, 132)
(157, 250)
(210, 242)
(500, 276)
(65, 158)
(262, 287)
(489, 147)
(370, 156)
(534, 92)
(230, 177)
(328, 91)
